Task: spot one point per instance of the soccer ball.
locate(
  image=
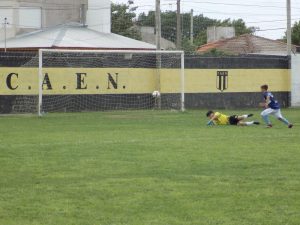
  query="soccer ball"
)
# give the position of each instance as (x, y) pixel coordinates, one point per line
(155, 94)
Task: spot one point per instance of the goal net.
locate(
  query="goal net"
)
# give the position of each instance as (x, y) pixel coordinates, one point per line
(96, 80)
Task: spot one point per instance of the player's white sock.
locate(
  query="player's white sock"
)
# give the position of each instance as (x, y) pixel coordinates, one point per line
(245, 116)
(249, 123)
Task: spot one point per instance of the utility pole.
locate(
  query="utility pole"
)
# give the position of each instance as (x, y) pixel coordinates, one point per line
(5, 32)
(289, 28)
(192, 27)
(289, 45)
(158, 25)
(178, 36)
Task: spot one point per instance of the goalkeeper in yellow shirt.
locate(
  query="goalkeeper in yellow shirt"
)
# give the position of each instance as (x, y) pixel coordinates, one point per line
(217, 118)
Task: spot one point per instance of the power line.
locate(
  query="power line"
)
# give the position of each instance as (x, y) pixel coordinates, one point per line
(202, 10)
(242, 14)
(273, 2)
(282, 28)
(235, 4)
(271, 21)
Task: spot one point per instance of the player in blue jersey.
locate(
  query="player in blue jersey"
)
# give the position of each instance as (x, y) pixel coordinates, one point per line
(272, 108)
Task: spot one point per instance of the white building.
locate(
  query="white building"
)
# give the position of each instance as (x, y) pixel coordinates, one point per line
(59, 24)
(99, 15)
(219, 33)
(148, 35)
(29, 15)
(73, 36)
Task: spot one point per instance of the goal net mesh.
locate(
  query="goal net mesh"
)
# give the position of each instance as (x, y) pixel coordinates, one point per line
(24, 98)
(95, 81)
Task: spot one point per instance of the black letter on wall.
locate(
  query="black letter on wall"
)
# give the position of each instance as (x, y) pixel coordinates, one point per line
(80, 81)
(112, 82)
(8, 81)
(47, 82)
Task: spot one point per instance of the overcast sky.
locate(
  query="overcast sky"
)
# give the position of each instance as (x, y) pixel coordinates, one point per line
(265, 14)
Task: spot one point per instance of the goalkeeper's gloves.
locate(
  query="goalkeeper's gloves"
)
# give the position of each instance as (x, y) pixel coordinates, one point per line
(210, 123)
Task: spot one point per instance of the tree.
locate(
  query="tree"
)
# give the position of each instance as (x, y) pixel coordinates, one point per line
(168, 23)
(239, 25)
(296, 33)
(123, 16)
(201, 23)
(188, 47)
(216, 53)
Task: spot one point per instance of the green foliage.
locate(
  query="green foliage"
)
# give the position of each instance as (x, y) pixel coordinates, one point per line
(188, 47)
(204, 22)
(216, 53)
(123, 20)
(239, 25)
(296, 33)
(123, 23)
(147, 167)
(201, 23)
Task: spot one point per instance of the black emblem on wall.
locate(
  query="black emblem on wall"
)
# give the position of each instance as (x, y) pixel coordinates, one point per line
(222, 80)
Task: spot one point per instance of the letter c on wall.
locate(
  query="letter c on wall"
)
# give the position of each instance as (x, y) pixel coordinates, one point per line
(8, 81)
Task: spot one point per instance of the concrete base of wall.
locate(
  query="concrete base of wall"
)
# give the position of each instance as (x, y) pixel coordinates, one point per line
(79, 103)
(231, 100)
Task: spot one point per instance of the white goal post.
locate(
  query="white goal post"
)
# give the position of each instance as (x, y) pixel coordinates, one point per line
(167, 64)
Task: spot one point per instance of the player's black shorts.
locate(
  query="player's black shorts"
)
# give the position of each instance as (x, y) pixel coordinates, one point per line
(233, 120)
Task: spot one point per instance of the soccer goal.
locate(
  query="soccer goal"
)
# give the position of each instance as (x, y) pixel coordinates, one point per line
(98, 80)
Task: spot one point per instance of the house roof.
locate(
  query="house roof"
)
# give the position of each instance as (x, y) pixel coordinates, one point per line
(74, 36)
(247, 44)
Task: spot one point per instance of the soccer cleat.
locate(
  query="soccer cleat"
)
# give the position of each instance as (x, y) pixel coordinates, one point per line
(250, 115)
(269, 126)
(256, 123)
(290, 126)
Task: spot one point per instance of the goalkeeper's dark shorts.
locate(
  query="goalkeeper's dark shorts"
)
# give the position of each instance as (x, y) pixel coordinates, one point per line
(233, 120)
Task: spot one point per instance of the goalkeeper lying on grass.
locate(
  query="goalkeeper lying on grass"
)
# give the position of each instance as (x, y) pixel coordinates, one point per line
(217, 118)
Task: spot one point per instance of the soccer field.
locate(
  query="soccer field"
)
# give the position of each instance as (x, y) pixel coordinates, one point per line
(147, 168)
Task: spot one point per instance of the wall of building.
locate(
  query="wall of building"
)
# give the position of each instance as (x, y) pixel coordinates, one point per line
(218, 33)
(7, 10)
(99, 15)
(57, 12)
(148, 35)
(29, 15)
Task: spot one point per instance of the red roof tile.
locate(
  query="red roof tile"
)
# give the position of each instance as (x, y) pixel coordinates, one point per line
(246, 44)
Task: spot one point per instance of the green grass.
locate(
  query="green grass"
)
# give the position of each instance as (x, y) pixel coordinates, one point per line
(147, 168)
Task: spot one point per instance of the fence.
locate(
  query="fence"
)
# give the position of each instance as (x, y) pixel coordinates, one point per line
(210, 82)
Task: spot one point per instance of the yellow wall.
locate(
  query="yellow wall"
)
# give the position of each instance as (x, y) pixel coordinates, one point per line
(142, 80)
(239, 80)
